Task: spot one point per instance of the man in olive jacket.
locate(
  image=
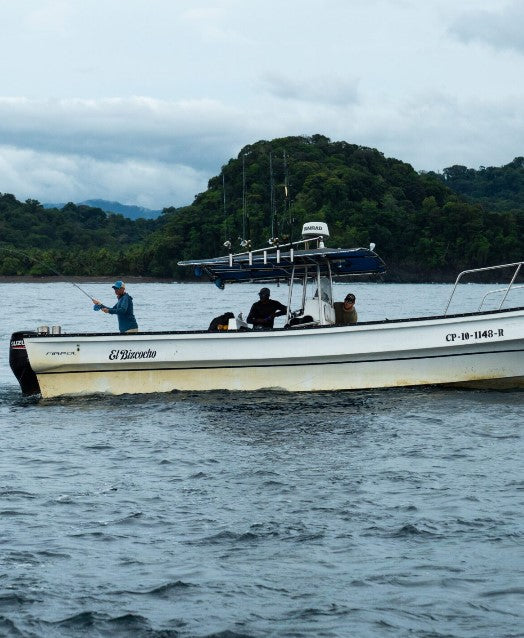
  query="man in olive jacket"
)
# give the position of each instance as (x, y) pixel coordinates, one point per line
(345, 312)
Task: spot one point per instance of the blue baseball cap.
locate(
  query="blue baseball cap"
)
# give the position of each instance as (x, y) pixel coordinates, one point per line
(118, 284)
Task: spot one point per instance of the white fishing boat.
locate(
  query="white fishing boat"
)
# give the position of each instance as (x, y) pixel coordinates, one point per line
(310, 353)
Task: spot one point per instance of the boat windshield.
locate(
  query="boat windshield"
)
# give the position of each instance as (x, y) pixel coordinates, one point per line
(325, 290)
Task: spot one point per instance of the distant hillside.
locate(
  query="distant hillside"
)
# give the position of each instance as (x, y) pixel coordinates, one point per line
(495, 187)
(131, 212)
(73, 240)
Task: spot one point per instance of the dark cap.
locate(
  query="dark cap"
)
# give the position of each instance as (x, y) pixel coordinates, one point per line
(350, 297)
(264, 292)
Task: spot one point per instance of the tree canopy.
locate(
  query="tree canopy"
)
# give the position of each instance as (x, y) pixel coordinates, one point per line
(75, 240)
(426, 226)
(496, 188)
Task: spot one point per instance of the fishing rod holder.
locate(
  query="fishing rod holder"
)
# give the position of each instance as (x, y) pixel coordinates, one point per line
(44, 330)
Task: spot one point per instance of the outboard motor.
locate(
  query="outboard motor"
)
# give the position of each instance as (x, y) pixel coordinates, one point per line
(19, 362)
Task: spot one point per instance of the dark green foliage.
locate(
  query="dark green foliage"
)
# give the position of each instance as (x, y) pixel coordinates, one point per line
(422, 229)
(76, 240)
(496, 188)
(425, 226)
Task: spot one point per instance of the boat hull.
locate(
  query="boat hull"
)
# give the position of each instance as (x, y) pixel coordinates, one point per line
(302, 378)
(485, 349)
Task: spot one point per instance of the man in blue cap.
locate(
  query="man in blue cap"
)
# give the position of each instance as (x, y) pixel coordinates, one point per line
(123, 308)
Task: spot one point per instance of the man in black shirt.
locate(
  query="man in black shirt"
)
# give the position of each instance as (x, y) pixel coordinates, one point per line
(263, 312)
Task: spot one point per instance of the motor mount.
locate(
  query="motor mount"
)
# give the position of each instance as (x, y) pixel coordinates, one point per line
(19, 362)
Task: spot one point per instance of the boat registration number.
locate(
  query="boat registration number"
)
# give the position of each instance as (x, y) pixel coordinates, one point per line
(477, 334)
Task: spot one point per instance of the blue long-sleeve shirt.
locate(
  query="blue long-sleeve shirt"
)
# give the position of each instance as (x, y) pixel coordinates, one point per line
(124, 311)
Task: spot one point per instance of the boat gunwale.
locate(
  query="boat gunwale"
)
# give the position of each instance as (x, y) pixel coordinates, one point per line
(287, 330)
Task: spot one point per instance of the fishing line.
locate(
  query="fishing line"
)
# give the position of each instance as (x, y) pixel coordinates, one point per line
(43, 263)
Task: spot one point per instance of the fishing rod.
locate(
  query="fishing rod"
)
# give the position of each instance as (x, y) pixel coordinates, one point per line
(43, 263)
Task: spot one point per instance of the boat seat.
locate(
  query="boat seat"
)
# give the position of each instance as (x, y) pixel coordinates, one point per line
(296, 322)
(313, 314)
(323, 313)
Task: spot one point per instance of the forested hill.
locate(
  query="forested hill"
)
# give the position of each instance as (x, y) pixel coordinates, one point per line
(75, 240)
(423, 229)
(496, 188)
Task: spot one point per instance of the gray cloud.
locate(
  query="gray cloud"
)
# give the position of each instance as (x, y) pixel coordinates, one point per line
(434, 130)
(121, 128)
(54, 177)
(502, 29)
(217, 76)
(138, 150)
(155, 153)
(322, 90)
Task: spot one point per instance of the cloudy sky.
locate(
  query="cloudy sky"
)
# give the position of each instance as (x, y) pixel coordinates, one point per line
(142, 101)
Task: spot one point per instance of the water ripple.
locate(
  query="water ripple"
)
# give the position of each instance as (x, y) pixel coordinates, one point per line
(195, 515)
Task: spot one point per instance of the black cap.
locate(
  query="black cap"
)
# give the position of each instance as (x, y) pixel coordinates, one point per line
(264, 292)
(350, 297)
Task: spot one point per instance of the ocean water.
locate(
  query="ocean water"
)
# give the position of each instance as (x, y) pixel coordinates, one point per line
(371, 513)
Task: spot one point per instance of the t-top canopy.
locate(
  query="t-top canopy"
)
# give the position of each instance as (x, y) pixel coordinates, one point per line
(274, 263)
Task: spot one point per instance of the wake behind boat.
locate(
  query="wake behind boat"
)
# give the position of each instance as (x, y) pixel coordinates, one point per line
(311, 353)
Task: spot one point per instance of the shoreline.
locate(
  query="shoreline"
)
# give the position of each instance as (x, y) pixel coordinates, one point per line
(45, 279)
(37, 279)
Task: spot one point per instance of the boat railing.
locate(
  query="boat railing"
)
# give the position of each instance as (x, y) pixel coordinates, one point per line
(517, 265)
(493, 292)
(277, 247)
